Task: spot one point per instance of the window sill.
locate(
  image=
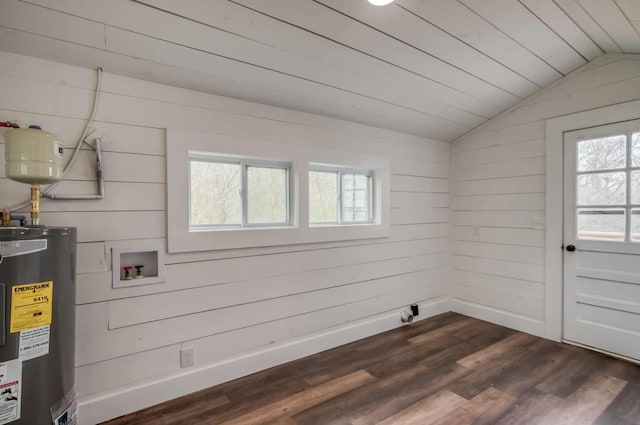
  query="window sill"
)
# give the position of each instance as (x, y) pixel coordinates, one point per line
(239, 229)
(206, 240)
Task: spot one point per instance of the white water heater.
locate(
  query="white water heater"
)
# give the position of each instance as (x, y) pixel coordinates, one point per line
(33, 156)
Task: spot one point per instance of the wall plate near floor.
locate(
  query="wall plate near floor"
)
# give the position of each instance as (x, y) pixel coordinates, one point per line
(187, 357)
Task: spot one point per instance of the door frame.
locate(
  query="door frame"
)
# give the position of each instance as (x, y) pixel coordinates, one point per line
(554, 216)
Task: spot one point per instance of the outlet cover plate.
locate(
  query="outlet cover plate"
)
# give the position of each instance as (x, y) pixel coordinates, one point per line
(187, 357)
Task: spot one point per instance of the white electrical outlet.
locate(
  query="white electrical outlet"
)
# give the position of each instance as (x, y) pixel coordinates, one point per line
(186, 357)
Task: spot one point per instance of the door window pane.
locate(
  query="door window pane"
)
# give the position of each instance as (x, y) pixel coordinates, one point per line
(355, 198)
(602, 189)
(323, 197)
(215, 194)
(606, 224)
(267, 195)
(635, 225)
(607, 153)
(635, 150)
(635, 187)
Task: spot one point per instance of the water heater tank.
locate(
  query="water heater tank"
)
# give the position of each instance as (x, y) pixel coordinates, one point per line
(37, 326)
(33, 156)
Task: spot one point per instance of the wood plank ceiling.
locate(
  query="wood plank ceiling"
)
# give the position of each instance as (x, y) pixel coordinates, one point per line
(434, 68)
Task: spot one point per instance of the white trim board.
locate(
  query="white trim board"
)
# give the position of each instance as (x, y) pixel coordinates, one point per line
(499, 317)
(135, 397)
(555, 129)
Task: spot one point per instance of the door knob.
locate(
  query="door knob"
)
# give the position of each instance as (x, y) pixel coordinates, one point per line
(571, 248)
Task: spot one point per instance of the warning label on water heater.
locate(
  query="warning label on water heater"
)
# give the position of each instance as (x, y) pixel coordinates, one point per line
(34, 343)
(31, 306)
(10, 391)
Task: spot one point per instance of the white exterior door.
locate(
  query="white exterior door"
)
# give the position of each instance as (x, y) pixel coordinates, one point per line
(602, 238)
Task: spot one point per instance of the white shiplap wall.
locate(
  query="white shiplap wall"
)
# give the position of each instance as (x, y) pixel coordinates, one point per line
(498, 195)
(242, 310)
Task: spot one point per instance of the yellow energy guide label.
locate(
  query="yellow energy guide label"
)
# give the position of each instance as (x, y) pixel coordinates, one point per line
(31, 305)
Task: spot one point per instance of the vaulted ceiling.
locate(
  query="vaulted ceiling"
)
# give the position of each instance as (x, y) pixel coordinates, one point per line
(435, 68)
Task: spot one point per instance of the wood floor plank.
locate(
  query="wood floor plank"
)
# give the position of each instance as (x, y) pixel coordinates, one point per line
(424, 326)
(319, 370)
(615, 421)
(495, 351)
(428, 411)
(530, 408)
(478, 328)
(632, 413)
(446, 370)
(458, 351)
(357, 355)
(624, 370)
(382, 398)
(541, 345)
(196, 404)
(437, 353)
(443, 332)
(477, 381)
(490, 402)
(262, 388)
(625, 407)
(301, 401)
(566, 380)
(280, 421)
(522, 377)
(587, 403)
(332, 411)
(382, 408)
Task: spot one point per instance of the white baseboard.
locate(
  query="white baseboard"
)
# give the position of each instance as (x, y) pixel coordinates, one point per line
(102, 407)
(499, 317)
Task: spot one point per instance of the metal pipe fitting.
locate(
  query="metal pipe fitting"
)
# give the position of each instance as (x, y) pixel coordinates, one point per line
(406, 316)
(35, 204)
(5, 218)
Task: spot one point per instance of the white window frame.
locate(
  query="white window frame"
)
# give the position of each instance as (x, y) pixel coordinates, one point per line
(244, 164)
(627, 206)
(340, 171)
(181, 238)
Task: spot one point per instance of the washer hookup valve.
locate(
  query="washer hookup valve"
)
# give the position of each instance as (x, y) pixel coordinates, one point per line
(139, 271)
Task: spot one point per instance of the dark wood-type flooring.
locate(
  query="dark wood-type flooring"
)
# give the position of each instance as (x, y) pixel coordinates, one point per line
(449, 369)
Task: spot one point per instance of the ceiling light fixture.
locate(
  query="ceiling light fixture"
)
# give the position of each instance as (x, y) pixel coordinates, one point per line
(380, 2)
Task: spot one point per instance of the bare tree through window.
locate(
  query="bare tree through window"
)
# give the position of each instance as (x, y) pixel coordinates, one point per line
(217, 194)
(339, 196)
(267, 195)
(603, 180)
(323, 196)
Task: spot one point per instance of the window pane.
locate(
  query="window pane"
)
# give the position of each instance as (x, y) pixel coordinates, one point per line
(355, 198)
(267, 195)
(635, 149)
(606, 153)
(323, 197)
(601, 224)
(635, 187)
(602, 189)
(635, 225)
(215, 194)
